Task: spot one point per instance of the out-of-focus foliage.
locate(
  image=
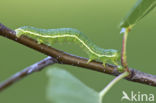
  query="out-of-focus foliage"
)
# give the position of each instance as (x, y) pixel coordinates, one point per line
(140, 9)
(65, 88)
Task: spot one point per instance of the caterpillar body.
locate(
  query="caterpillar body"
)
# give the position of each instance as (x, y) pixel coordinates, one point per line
(51, 36)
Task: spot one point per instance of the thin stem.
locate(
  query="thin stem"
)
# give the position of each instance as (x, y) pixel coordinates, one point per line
(123, 51)
(27, 71)
(109, 86)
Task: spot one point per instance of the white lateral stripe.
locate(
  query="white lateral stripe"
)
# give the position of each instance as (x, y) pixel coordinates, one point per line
(65, 35)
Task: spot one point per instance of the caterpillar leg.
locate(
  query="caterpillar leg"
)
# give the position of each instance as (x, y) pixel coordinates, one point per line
(39, 41)
(115, 62)
(18, 32)
(119, 67)
(104, 61)
(104, 64)
(89, 60)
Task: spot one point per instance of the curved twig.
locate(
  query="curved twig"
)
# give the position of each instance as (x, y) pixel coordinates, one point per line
(27, 71)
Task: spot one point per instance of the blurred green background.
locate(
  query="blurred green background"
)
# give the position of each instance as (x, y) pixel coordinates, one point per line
(98, 19)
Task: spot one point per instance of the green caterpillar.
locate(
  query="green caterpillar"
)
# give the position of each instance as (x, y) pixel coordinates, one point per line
(50, 36)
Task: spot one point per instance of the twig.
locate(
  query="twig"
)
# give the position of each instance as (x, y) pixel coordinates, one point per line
(27, 71)
(65, 58)
(110, 85)
(123, 51)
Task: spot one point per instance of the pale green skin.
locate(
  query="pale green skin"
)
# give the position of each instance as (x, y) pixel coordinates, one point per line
(51, 36)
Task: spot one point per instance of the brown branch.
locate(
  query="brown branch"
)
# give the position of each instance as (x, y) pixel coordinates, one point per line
(27, 71)
(65, 58)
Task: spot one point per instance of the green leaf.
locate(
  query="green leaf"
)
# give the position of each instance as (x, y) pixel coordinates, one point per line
(65, 88)
(141, 9)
